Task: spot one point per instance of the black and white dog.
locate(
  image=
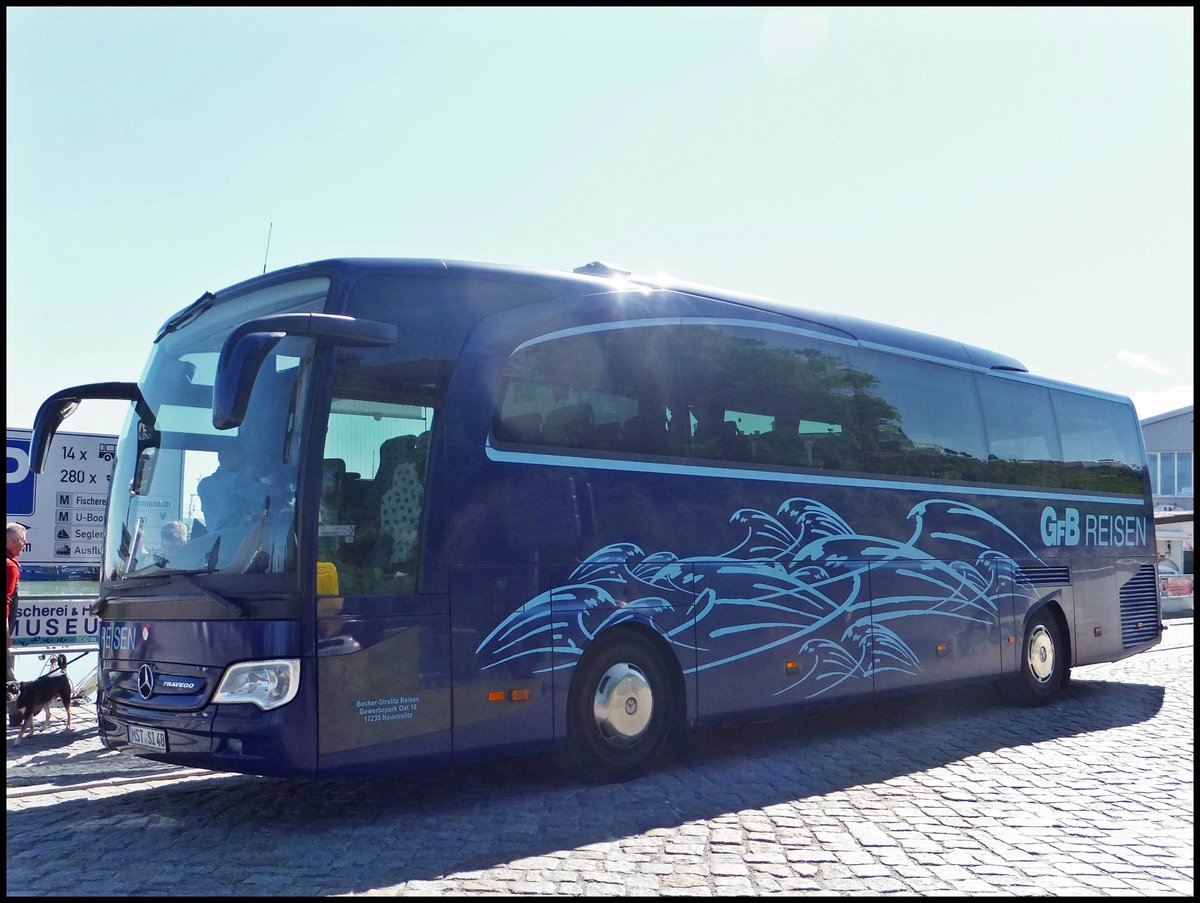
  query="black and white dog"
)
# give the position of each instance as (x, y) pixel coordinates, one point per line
(36, 696)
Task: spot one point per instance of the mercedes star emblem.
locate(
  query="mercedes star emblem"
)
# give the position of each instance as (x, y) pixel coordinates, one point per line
(145, 681)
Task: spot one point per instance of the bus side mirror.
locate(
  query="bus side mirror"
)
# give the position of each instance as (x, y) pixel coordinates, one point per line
(248, 345)
(45, 424)
(62, 404)
(236, 371)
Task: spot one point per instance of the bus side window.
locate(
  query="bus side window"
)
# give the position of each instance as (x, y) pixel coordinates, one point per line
(644, 434)
(372, 492)
(521, 428)
(571, 425)
(715, 437)
(782, 444)
(833, 452)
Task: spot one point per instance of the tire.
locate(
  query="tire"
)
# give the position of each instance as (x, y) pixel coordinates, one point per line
(1044, 668)
(618, 710)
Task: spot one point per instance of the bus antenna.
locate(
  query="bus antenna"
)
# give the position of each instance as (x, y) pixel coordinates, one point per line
(268, 251)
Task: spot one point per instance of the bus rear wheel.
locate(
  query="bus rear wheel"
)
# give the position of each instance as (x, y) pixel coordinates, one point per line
(1043, 666)
(618, 710)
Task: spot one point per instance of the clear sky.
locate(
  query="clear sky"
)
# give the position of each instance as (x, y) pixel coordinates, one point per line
(1016, 178)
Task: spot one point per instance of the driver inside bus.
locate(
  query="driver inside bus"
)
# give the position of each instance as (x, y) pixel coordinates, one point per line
(230, 495)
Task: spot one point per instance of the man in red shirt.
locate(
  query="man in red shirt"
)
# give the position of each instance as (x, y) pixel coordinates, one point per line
(15, 538)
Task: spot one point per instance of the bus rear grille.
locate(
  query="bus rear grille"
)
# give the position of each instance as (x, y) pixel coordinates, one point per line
(1139, 608)
(1044, 576)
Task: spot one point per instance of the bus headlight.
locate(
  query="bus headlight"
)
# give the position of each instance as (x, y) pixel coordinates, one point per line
(268, 684)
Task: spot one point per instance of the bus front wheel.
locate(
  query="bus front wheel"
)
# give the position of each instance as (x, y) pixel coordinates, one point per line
(618, 710)
(1043, 666)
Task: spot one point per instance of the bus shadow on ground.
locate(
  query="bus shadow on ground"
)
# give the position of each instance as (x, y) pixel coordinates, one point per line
(55, 757)
(235, 834)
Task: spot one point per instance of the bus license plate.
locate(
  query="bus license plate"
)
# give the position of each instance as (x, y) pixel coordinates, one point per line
(150, 737)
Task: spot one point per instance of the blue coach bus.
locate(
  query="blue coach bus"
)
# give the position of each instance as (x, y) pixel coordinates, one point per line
(466, 510)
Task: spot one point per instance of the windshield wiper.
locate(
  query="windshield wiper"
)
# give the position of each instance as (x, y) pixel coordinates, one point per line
(189, 575)
(193, 310)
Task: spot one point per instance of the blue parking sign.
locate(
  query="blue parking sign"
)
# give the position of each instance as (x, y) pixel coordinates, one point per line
(19, 493)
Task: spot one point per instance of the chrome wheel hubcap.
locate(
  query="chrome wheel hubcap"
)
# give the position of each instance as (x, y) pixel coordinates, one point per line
(1041, 654)
(623, 705)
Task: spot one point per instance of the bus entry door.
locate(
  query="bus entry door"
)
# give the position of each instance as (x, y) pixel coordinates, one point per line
(383, 689)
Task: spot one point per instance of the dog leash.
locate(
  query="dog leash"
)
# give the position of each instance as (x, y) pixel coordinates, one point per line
(53, 661)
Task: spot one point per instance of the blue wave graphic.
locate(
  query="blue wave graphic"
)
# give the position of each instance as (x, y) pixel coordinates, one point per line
(791, 580)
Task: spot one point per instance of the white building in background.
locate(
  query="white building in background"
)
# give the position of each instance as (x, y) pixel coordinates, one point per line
(1170, 439)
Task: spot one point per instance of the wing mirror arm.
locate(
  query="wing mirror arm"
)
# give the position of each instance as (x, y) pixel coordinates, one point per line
(59, 406)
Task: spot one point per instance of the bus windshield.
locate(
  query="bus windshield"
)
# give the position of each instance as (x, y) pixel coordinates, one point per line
(189, 497)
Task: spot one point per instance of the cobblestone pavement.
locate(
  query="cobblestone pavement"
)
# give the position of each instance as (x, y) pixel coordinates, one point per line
(947, 794)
